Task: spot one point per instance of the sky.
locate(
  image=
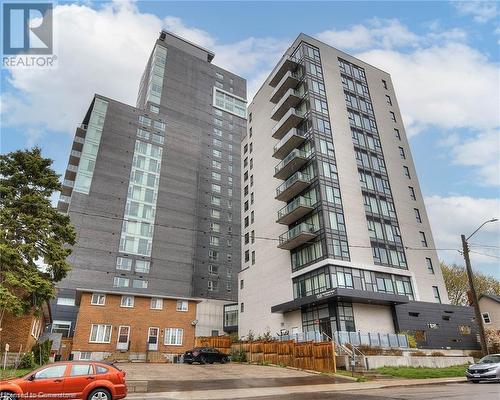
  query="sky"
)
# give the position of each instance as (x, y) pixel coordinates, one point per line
(443, 58)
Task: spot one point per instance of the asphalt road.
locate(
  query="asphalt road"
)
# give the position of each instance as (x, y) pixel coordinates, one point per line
(455, 391)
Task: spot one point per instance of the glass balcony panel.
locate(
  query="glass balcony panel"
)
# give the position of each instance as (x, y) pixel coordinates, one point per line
(289, 81)
(290, 99)
(292, 186)
(290, 164)
(290, 120)
(297, 236)
(294, 210)
(286, 64)
(293, 139)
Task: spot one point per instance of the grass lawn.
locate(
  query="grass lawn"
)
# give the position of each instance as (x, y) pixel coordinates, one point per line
(13, 373)
(423, 372)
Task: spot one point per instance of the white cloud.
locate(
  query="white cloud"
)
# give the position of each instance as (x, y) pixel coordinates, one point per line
(482, 152)
(481, 11)
(453, 216)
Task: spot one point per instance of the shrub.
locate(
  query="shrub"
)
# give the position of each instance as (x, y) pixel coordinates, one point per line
(250, 336)
(393, 352)
(27, 361)
(477, 354)
(267, 335)
(412, 341)
(369, 350)
(493, 340)
(418, 353)
(437, 354)
(238, 355)
(41, 352)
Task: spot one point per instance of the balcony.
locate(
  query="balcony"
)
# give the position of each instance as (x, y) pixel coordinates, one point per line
(290, 120)
(297, 236)
(291, 98)
(294, 210)
(293, 139)
(286, 64)
(290, 164)
(292, 186)
(289, 81)
(68, 183)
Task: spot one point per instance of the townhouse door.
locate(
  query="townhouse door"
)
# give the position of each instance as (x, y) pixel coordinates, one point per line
(153, 339)
(123, 337)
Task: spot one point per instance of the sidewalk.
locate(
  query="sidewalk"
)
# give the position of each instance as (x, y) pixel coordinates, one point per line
(274, 391)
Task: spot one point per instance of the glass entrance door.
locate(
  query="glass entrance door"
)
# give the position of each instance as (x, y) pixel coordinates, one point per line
(153, 339)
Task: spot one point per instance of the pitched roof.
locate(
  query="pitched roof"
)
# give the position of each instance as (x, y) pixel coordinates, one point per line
(491, 296)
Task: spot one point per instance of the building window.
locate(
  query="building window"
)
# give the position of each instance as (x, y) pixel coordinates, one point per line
(412, 193)
(214, 240)
(139, 284)
(121, 282)
(423, 239)
(100, 334)
(215, 200)
(127, 301)
(430, 267)
(242, 283)
(161, 126)
(219, 76)
(228, 287)
(437, 297)
(216, 164)
(216, 153)
(173, 336)
(388, 99)
(384, 84)
(402, 153)
(144, 120)
(486, 318)
(406, 171)
(253, 257)
(65, 301)
(247, 255)
(229, 102)
(142, 266)
(154, 109)
(213, 286)
(213, 255)
(393, 116)
(36, 328)
(85, 355)
(397, 134)
(156, 303)
(123, 263)
(215, 227)
(417, 215)
(98, 299)
(242, 307)
(182, 305)
(62, 327)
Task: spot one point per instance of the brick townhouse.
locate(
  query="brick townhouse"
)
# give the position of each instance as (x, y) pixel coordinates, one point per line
(123, 325)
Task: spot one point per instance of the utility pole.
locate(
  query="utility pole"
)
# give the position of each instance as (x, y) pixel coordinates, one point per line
(479, 317)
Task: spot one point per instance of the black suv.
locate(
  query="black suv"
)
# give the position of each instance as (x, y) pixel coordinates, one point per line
(204, 355)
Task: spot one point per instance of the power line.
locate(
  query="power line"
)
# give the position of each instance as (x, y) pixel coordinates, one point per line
(484, 245)
(484, 254)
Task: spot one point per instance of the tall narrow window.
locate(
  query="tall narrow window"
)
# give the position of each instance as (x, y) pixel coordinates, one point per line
(388, 98)
(437, 297)
(429, 265)
(406, 171)
(412, 193)
(423, 239)
(402, 153)
(417, 215)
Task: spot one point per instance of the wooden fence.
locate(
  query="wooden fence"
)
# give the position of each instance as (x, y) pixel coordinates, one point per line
(221, 343)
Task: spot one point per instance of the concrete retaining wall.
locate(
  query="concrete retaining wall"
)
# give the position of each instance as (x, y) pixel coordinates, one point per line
(374, 362)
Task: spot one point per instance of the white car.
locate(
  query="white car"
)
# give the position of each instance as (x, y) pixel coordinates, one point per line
(486, 369)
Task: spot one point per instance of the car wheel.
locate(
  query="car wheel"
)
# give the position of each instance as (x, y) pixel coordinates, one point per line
(99, 394)
(223, 360)
(7, 396)
(203, 360)
(475, 381)
(189, 362)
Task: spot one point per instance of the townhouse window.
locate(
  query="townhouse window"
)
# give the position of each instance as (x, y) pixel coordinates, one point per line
(242, 307)
(402, 153)
(412, 193)
(123, 263)
(215, 214)
(63, 327)
(406, 171)
(242, 283)
(142, 266)
(65, 301)
(100, 333)
(423, 239)
(173, 336)
(397, 134)
(384, 84)
(247, 255)
(98, 299)
(437, 297)
(213, 255)
(127, 301)
(253, 257)
(156, 303)
(388, 99)
(213, 286)
(182, 305)
(417, 215)
(486, 318)
(121, 282)
(428, 263)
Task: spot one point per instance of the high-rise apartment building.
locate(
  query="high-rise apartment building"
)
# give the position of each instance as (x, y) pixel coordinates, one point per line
(335, 235)
(154, 193)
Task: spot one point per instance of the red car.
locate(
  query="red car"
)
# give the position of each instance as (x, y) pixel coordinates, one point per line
(70, 380)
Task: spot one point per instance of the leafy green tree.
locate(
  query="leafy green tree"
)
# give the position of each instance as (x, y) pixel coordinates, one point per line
(34, 236)
(457, 283)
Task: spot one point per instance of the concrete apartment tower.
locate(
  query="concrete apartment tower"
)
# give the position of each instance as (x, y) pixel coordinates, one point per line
(154, 193)
(336, 237)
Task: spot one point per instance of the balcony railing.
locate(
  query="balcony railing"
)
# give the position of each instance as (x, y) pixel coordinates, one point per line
(68, 183)
(292, 186)
(294, 210)
(72, 168)
(290, 164)
(291, 98)
(79, 139)
(290, 120)
(297, 236)
(64, 199)
(289, 81)
(76, 153)
(286, 64)
(293, 139)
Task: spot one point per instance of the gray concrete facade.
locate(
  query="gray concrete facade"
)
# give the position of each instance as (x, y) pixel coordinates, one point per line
(199, 139)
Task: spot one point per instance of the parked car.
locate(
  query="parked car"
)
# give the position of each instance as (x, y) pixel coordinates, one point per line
(73, 379)
(486, 369)
(205, 355)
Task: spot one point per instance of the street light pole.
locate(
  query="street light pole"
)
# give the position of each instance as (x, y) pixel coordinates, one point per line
(470, 276)
(475, 302)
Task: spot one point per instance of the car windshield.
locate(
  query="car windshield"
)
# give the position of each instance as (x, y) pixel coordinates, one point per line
(491, 359)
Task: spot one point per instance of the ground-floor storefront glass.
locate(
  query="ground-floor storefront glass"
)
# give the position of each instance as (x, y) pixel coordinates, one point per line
(328, 318)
